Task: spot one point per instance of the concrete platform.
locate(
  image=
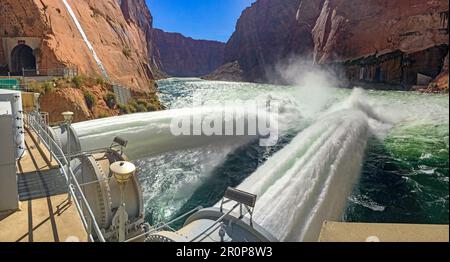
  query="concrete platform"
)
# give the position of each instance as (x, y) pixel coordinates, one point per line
(45, 216)
(363, 232)
(50, 219)
(37, 157)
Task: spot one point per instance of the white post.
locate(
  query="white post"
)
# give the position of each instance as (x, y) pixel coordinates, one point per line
(68, 143)
(68, 116)
(122, 215)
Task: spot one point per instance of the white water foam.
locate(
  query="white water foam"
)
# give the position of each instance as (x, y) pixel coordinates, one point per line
(150, 134)
(302, 185)
(310, 180)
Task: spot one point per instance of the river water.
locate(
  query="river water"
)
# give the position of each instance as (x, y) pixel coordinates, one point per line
(342, 154)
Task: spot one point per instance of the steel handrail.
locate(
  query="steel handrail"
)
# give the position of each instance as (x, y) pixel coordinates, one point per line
(70, 177)
(57, 71)
(158, 228)
(214, 224)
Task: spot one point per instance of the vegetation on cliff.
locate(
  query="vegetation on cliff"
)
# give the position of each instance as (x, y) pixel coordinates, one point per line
(89, 98)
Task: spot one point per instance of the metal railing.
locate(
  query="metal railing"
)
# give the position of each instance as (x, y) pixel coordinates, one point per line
(207, 232)
(199, 237)
(162, 226)
(58, 72)
(34, 121)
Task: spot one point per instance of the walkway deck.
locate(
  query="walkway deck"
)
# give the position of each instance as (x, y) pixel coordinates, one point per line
(37, 157)
(50, 219)
(362, 232)
(45, 214)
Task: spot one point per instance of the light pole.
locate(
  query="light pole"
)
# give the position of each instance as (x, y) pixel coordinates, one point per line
(68, 117)
(122, 172)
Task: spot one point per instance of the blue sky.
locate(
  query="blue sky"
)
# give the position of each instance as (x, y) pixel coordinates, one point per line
(199, 19)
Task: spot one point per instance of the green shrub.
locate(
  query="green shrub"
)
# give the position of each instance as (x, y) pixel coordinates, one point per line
(42, 88)
(90, 99)
(152, 107)
(142, 102)
(132, 107)
(126, 52)
(77, 81)
(124, 109)
(110, 100)
(139, 106)
(101, 81)
(63, 82)
(103, 115)
(48, 86)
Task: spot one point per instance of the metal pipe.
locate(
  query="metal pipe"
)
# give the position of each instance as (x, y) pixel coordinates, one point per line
(95, 182)
(215, 223)
(164, 225)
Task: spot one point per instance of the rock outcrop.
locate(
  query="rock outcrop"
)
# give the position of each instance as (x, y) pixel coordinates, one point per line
(440, 83)
(228, 72)
(383, 41)
(186, 57)
(67, 99)
(137, 12)
(348, 30)
(120, 32)
(269, 31)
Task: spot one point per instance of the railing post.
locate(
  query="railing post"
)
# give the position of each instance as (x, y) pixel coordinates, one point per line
(89, 228)
(50, 148)
(39, 135)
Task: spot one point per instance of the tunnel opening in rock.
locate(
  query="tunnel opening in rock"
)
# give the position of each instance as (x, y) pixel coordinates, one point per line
(22, 57)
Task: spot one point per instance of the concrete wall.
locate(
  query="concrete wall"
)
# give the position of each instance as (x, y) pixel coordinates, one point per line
(15, 99)
(9, 43)
(9, 197)
(396, 68)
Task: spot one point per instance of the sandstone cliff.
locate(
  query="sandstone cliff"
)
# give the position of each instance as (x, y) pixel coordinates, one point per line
(138, 12)
(383, 41)
(120, 32)
(268, 32)
(347, 30)
(184, 56)
(367, 41)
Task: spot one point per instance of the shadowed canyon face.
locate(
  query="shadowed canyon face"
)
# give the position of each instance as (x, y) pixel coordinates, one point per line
(186, 57)
(268, 32)
(379, 41)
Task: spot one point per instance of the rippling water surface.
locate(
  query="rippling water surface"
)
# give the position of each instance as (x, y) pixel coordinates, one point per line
(402, 175)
